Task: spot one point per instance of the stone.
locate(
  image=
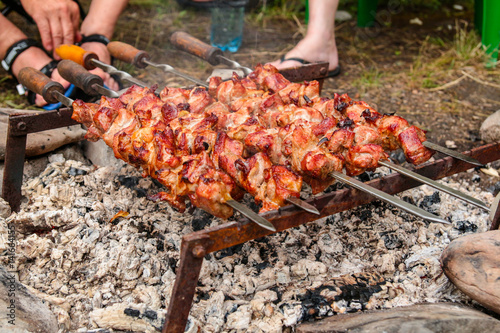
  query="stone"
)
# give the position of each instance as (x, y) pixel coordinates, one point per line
(342, 16)
(425, 318)
(100, 154)
(28, 312)
(472, 264)
(42, 142)
(5, 210)
(128, 317)
(490, 128)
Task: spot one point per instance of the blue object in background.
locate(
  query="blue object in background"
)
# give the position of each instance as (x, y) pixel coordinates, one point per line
(226, 30)
(55, 106)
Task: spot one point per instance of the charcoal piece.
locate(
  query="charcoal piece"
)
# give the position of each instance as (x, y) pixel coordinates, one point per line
(130, 182)
(132, 312)
(76, 172)
(494, 189)
(465, 226)
(392, 241)
(201, 219)
(429, 200)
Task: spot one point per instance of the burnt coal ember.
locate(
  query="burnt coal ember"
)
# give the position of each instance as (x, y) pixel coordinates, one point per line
(466, 227)
(88, 269)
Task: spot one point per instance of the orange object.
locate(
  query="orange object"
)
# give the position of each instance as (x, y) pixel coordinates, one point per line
(71, 52)
(121, 213)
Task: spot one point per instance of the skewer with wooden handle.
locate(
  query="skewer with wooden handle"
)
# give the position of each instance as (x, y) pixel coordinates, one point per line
(90, 61)
(90, 83)
(184, 41)
(387, 198)
(40, 84)
(140, 59)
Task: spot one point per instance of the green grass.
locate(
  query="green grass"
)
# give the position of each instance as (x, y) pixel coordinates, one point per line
(448, 58)
(370, 78)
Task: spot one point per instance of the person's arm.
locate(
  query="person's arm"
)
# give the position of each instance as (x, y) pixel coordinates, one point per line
(101, 19)
(57, 21)
(32, 57)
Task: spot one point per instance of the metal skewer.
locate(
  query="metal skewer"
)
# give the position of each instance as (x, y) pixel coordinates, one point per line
(121, 74)
(303, 205)
(141, 59)
(435, 184)
(213, 55)
(90, 60)
(244, 210)
(39, 83)
(90, 83)
(451, 153)
(387, 198)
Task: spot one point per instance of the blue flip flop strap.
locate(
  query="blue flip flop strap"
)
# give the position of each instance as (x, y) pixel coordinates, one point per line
(54, 106)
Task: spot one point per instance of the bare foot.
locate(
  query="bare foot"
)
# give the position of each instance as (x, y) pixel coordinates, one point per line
(312, 51)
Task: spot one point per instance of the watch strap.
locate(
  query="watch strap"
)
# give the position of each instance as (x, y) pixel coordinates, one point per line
(95, 38)
(15, 50)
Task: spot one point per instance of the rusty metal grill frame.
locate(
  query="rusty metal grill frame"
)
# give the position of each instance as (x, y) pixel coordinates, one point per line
(196, 245)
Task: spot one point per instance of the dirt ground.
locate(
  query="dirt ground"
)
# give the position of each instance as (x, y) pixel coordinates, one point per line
(432, 74)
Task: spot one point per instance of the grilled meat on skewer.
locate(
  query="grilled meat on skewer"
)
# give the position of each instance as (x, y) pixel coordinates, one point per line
(274, 120)
(283, 102)
(177, 153)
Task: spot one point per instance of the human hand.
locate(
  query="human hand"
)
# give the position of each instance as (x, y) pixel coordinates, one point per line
(39, 100)
(57, 20)
(102, 52)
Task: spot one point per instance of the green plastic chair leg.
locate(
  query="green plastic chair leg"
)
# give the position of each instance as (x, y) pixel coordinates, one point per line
(491, 30)
(367, 9)
(478, 16)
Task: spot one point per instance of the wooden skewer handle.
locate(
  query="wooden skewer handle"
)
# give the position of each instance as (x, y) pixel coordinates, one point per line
(40, 84)
(184, 41)
(78, 55)
(128, 53)
(79, 76)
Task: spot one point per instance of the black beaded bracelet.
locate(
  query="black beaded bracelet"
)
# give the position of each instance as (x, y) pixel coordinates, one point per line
(95, 38)
(15, 50)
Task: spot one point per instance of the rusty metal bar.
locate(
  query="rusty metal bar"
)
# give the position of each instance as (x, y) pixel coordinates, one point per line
(15, 152)
(234, 233)
(495, 213)
(20, 125)
(187, 276)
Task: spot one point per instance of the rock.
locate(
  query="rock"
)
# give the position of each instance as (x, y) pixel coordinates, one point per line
(5, 210)
(342, 16)
(100, 154)
(426, 318)
(490, 129)
(129, 317)
(43, 142)
(23, 311)
(450, 144)
(473, 265)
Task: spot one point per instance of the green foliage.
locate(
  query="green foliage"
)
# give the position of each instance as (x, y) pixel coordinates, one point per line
(280, 9)
(370, 78)
(352, 5)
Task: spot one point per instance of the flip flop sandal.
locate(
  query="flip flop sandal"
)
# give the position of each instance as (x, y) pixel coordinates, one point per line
(55, 106)
(334, 72)
(195, 4)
